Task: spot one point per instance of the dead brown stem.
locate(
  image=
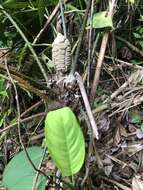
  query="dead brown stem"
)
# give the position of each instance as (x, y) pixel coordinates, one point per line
(23, 121)
(101, 54)
(87, 105)
(26, 83)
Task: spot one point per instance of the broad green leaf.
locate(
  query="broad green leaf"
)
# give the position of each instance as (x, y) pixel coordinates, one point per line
(65, 140)
(101, 20)
(19, 174)
(136, 118)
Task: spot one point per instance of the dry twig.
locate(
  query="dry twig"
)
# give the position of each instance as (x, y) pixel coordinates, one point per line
(51, 17)
(74, 63)
(132, 47)
(87, 105)
(101, 53)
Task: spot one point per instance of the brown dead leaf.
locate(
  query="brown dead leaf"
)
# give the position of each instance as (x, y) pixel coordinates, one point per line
(117, 137)
(108, 165)
(104, 123)
(131, 148)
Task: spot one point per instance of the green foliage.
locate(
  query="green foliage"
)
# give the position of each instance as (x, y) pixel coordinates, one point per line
(41, 4)
(65, 140)
(131, 1)
(136, 118)
(3, 92)
(19, 173)
(15, 4)
(26, 14)
(138, 34)
(101, 20)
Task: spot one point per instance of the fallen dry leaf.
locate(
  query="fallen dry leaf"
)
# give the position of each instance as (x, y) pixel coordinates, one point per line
(137, 183)
(132, 149)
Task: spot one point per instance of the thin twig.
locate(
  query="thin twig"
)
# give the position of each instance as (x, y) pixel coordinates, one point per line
(132, 47)
(18, 122)
(90, 149)
(17, 102)
(23, 121)
(19, 131)
(126, 63)
(51, 17)
(39, 167)
(123, 86)
(89, 43)
(62, 17)
(27, 83)
(123, 187)
(31, 108)
(87, 105)
(101, 53)
(37, 137)
(74, 63)
(27, 42)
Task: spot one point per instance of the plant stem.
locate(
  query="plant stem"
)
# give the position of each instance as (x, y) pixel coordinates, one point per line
(27, 42)
(74, 63)
(62, 17)
(51, 17)
(90, 42)
(87, 105)
(101, 54)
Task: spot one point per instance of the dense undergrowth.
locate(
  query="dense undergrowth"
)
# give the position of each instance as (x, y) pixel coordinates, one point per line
(31, 85)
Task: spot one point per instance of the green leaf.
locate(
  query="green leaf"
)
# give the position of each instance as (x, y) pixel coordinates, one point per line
(19, 174)
(141, 18)
(136, 118)
(100, 20)
(14, 4)
(65, 140)
(1, 121)
(3, 93)
(135, 62)
(2, 85)
(136, 35)
(41, 4)
(3, 88)
(131, 1)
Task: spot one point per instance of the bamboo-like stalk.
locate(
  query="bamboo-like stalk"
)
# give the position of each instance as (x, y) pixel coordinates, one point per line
(101, 53)
(87, 105)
